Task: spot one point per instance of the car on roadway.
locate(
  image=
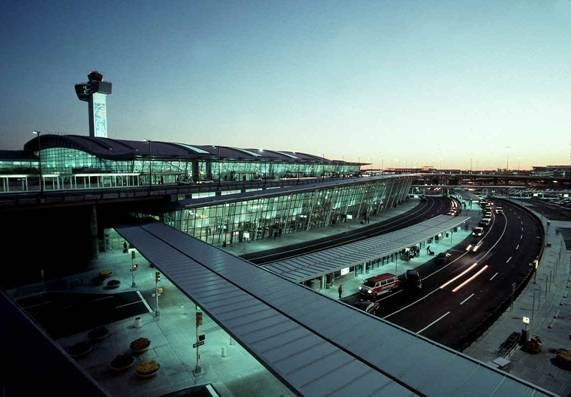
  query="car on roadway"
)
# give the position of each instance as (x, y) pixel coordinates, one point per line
(367, 306)
(478, 231)
(411, 280)
(499, 211)
(485, 221)
(443, 258)
(379, 285)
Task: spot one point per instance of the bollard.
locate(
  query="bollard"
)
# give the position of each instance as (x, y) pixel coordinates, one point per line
(223, 351)
(137, 322)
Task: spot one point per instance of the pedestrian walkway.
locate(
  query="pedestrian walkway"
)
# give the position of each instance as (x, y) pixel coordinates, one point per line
(352, 280)
(545, 301)
(224, 363)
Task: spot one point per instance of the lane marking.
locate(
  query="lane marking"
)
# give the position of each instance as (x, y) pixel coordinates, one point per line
(467, 299)
(458, 276)
(389, 296)
(127, 304)
(145, 302)
(458, 288)
(509, 259)
(517, 247)
(494, 276)
(434, 322)
(521, 237)
(411, 304)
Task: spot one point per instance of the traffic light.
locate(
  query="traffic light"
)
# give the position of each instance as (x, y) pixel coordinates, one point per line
(157, 276)
(198, 318)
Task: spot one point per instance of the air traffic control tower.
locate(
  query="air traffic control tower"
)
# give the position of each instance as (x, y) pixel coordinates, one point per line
(95, 92)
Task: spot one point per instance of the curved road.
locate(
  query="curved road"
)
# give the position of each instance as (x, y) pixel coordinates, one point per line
(459, 300)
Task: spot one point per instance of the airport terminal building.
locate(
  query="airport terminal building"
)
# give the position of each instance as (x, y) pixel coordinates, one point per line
(78, 162)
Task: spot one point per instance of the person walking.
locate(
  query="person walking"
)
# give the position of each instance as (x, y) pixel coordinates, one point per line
(340, 290)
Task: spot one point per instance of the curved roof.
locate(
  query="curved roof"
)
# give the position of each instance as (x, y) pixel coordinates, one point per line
(121, 149)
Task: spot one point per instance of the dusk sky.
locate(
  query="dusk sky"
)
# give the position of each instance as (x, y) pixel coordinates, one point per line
(402, 83)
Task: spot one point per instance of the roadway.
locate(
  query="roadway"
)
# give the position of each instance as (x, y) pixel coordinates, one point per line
(427, 209)
(459, 300)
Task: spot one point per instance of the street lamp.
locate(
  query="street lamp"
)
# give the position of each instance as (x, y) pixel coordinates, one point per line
(507, 157)
(38, 133)
(133, 269)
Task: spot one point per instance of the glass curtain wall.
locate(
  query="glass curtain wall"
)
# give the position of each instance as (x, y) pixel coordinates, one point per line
(245, 171)
(271, 217)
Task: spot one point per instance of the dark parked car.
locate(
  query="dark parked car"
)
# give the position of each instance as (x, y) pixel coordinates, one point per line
(411, 280)
(443, 258)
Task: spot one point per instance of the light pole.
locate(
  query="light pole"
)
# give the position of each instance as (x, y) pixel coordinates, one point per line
(133, 269)
(157, 280)
(508, 157)
(38, 133)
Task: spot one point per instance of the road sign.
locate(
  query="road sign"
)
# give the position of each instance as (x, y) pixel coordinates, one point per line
(199, 343)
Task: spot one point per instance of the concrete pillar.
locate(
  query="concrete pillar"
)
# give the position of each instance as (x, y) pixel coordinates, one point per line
(93, 229)
(323, 281)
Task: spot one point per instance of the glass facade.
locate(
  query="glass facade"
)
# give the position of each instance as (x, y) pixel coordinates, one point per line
(243, 171)
(270, 217)
(71, 162)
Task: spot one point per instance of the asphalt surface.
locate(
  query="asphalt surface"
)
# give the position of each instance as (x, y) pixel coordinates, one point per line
(427, 209)
(550, 210)
(455, 315)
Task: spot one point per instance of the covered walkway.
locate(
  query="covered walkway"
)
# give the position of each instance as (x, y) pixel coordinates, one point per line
(368, 252)
(312, 343)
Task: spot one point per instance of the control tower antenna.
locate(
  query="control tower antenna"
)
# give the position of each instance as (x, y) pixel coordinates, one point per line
(95, 92)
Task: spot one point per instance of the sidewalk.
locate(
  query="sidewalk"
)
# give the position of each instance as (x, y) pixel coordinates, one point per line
(352, 281)
(546, 303)
(232, 370)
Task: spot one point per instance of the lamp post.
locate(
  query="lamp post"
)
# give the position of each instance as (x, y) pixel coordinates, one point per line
(133, 269)
(38, 133)
(507, 157)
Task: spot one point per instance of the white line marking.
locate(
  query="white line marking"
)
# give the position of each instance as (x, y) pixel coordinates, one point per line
(458, 288)
(458, 276)
(509, 259)
(517, 247)
(467, 299)
(411, 304)
(127, 304)
(521, 237)
(145, 302)
(389, 296)
(434, 322)
(494, 276)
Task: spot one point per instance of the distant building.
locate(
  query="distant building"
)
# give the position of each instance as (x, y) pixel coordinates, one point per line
(556, 171)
